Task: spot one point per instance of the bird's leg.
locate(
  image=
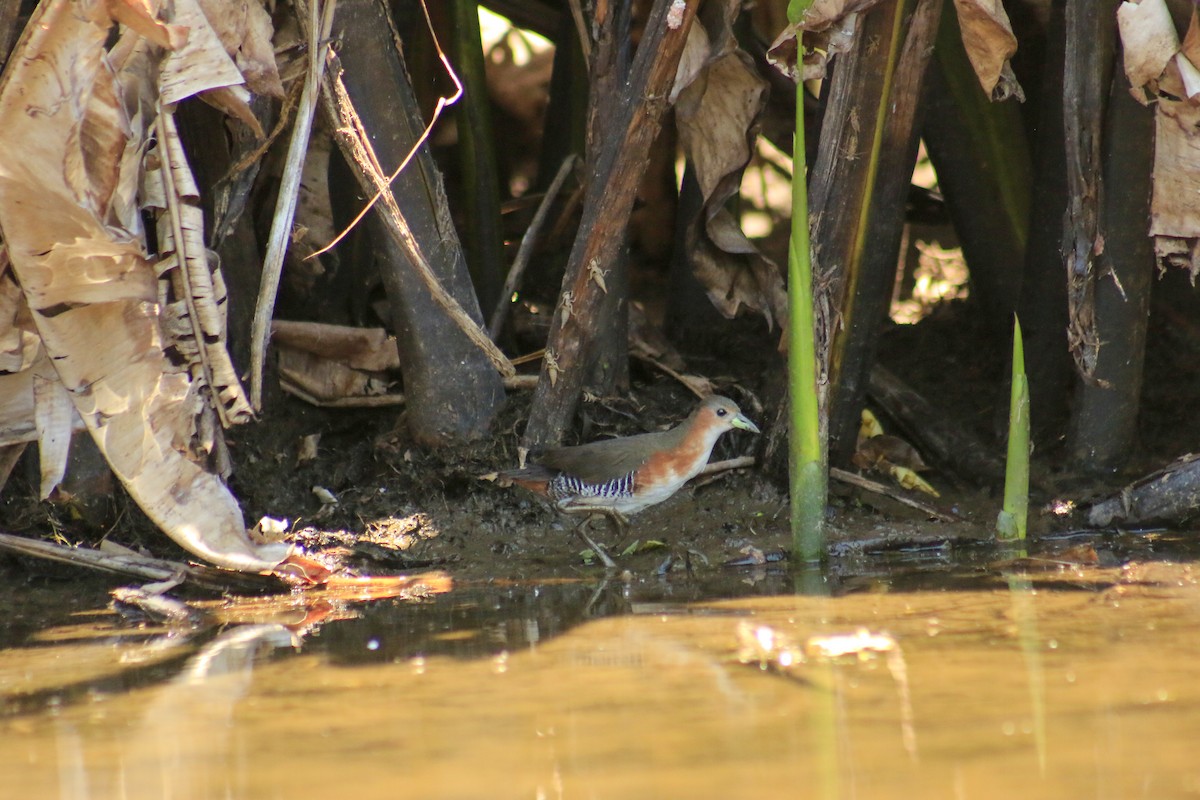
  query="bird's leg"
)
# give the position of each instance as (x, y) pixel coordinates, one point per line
(619, 521)
(604, 557)
(620, 525)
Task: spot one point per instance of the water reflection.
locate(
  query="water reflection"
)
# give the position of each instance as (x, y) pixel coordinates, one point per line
(1058, 682)
(192, 713)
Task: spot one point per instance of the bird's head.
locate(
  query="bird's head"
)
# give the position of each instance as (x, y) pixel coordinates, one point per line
(722, 414)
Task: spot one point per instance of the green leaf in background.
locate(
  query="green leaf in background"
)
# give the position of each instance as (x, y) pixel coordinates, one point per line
(796, 9)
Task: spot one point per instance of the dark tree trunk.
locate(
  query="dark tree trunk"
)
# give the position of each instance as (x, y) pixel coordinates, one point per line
(692, 321)
(1104, 423)
(856, 252)
(869, 294)
(476, 142)
(1042, 306)
(609, 72)
(452, 389)
(983, 167)
(637, 117)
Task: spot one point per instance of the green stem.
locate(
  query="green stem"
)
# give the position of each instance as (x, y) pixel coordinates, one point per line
(808, 475)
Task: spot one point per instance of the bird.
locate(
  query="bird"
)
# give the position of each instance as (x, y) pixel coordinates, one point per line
(620, 477)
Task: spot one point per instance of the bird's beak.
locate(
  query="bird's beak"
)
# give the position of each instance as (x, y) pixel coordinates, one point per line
(741, 421)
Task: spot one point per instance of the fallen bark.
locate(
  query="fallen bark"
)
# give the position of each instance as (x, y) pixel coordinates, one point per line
(1169, 495)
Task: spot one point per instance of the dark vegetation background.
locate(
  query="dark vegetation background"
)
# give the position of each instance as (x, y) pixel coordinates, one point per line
(939, 318)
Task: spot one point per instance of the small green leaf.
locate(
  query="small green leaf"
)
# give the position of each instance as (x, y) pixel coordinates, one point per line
(796, 10)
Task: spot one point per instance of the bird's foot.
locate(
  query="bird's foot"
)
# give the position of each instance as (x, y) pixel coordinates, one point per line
(620, 524)
(604, 557)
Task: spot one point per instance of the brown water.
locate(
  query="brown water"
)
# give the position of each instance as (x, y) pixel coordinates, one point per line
(1055, 683)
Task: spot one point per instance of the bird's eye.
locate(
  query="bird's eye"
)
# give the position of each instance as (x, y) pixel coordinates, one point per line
(722, 412)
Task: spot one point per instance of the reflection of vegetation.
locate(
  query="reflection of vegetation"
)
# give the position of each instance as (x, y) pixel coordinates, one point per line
(819, 661)
(1021, 590)
(825, 723)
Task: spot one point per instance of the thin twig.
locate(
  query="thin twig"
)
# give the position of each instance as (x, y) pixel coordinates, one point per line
(320, 23)
(879, 488)
(585, 42)
(741, 462)
(355, 401)
(140, 567)
(350, 132)
(696, 384)
(525, 251)
(522, 383)
(442, 104)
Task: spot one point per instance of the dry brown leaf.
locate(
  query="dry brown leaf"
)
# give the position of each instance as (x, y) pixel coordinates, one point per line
(827, 29)
(34, 406)
(717, 115)
(53, 417)
(1148, 39)
(1188, 77)
(328, 383)
(140, 17)
(990, 42)
(696, 51)
(90, 285)
(1176, 171)
(372, 349)
(16, 409)
(203, 68)
(193, 297)
(199, 65)
(233, 101)
(1160, 70)
(19, 343)
(1191, 41)
(335, 365)
(245, 30)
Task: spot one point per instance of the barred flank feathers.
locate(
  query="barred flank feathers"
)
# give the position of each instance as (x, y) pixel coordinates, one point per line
(567, 486)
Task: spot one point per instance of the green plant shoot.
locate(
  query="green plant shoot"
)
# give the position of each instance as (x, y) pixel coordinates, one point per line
(1012, 521)
(807, 473)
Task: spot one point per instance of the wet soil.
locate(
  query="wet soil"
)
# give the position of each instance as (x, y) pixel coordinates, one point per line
(401, 508)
